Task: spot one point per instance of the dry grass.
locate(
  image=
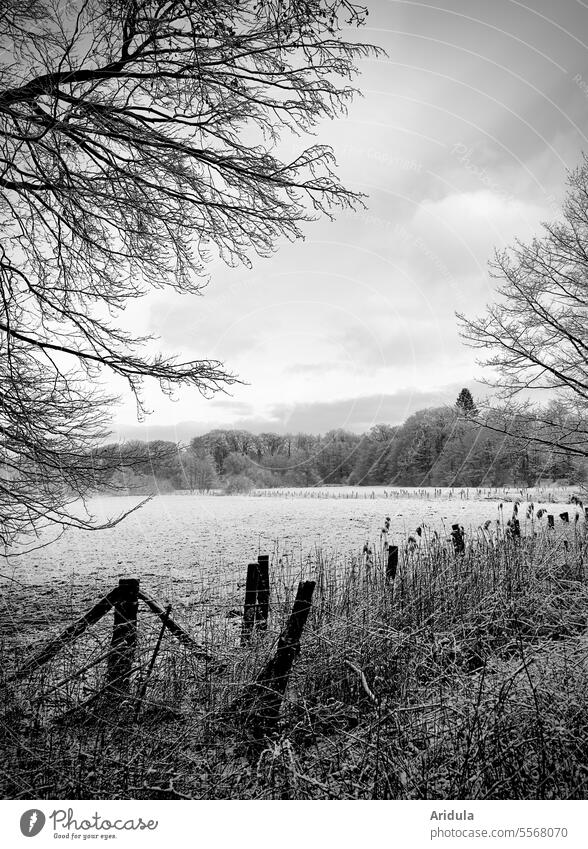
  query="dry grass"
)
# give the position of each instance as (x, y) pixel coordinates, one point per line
(466, 678)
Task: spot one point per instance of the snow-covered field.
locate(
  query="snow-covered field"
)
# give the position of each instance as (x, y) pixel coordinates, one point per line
(184, 535)
(190, 548)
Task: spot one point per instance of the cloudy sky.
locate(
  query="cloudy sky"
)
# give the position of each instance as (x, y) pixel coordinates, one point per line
(461, 141)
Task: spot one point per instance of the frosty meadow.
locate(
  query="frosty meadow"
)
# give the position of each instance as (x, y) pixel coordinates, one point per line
(440, 682)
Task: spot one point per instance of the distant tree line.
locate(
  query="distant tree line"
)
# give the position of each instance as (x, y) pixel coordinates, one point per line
(437, 446)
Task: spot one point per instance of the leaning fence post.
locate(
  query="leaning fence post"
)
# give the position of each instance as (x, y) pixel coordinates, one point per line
(261, 704)
(50, 649)
(392, 564)
(263, 592)
(251, 585)
(152, 661)
(173, 627)
(124, 635)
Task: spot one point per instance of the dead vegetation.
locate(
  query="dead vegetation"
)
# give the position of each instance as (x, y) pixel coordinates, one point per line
(466, 677)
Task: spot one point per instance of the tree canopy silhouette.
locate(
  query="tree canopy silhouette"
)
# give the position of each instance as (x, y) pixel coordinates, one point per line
(465, 403)
(138, 141)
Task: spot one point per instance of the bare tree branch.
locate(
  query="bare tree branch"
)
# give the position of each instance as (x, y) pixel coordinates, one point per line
(140, 139)
(535, 337)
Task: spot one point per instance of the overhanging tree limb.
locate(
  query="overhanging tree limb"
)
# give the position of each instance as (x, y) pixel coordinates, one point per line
(138, 141)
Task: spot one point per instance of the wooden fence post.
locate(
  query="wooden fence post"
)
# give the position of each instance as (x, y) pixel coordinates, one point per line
(261, 704)
(458, 540)
(392, 564)
(251, 585)
(124, 636)
(263, 592)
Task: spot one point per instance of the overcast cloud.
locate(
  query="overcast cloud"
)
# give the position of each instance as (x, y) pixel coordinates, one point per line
(461, 142)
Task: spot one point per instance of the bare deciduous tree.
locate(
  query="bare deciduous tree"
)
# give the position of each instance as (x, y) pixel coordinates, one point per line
(536, 333)
(139, 139)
